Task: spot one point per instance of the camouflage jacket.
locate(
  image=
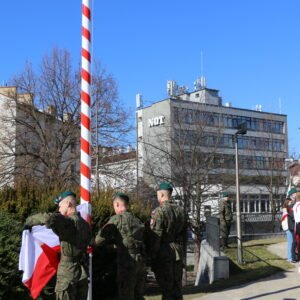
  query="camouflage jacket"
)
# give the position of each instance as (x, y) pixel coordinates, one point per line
(74, 234)
(167, 227)
(225, 212)
(125, 231)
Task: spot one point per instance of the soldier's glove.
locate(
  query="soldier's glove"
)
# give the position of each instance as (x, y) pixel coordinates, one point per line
(27, 227)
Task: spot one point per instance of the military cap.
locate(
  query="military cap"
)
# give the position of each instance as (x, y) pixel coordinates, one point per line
(62, 196)
(225, 194)
(292, 191)
(121, 195)
(165, 186)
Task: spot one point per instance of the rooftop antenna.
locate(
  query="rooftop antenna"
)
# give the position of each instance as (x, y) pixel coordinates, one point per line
(279, 103)
(202, 77)
(201, 61)
(200, 83)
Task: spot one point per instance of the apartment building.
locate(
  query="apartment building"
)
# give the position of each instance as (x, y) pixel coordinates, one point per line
(195, 130)
(36, 145)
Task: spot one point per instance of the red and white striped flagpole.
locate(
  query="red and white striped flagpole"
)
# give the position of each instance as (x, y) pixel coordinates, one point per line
(85, 141)
(85, 157)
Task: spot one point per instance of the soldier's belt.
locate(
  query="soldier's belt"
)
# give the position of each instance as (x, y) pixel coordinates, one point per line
(70, 259)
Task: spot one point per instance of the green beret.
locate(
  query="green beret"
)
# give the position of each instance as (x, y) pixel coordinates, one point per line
(165, 186)
(292, 191)
(225, 194)
(121, 195)
(62, 196)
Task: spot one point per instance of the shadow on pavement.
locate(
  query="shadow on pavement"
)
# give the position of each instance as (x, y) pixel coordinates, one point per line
(274, 293)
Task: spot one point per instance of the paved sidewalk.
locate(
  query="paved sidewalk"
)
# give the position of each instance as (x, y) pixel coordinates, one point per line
(282, 286)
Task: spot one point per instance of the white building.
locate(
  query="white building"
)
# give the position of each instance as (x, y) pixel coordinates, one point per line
(117, 169)
(173, 131)
(36, 145)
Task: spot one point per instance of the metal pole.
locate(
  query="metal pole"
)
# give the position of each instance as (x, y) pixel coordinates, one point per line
(137, 155)
(238, 206)
(90, 293)
(97, 151)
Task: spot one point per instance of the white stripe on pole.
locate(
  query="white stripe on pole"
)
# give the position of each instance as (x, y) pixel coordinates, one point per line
(85, 159)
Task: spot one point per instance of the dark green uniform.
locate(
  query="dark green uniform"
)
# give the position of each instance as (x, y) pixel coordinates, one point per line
(167, 230)
(225, 214)
(126, 233)
(74, 235)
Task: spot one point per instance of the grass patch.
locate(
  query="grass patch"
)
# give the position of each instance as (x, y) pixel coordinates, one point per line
(258, 263)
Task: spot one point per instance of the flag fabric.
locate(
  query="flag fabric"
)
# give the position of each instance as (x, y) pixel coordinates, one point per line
(284, 220)
(39, 255)
(85, 211)
(38, 258)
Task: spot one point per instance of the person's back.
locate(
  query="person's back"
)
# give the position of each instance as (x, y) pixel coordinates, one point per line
(132, 232)
(172, 218)
(225, 215)
(126, 232)
(167, 233)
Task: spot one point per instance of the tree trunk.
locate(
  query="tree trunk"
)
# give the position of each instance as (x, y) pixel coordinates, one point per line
(197, 253)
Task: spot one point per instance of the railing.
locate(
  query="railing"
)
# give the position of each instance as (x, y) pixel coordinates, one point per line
(257, 224)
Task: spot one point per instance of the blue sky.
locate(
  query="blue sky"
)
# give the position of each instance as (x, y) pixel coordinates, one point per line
(251, 48)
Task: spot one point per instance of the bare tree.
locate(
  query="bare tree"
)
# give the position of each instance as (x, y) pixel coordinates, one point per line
(110, 126)
(266, 156)
(42, 111)
(189, 155)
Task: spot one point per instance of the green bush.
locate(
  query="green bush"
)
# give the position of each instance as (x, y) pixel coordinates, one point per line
(17, 204)
(10, 242)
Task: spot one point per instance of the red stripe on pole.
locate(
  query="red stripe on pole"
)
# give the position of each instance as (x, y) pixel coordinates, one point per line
(85, 121)
(86, 33)
(85, 194)
(86, 11)
(86, 76)
(85, 170)
(86, 98)
(86, 55)
(85, 146)
(85, 161)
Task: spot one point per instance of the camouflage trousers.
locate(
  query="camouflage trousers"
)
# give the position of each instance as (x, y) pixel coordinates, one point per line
(168, 274)
(71, 283)
(131, 278)
(224, 231)
(77, 291)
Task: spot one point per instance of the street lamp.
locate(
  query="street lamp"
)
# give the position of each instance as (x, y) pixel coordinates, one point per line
(242, 130)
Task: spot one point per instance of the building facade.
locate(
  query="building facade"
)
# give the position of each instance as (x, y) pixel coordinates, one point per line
(117, 169)
(188, 139)
(36, 145)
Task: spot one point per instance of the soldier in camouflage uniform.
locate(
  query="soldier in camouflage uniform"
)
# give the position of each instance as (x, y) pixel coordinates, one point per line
(167, 233)
(126, 233)
(74, 234)
(225, 214)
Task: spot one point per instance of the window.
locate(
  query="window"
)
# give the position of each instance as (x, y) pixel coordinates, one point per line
(257, 206)
(252, 206)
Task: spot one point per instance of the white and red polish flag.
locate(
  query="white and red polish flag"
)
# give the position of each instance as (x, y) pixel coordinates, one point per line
(39, 254)
(38, 258)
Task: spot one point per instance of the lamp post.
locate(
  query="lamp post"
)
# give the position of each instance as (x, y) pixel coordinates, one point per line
(241, 131)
